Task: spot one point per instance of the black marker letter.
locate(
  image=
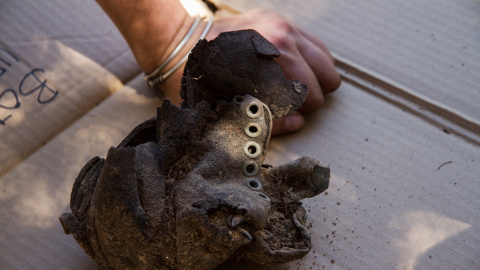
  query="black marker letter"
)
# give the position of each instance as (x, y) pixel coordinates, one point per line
(42, 85)
(4, 100)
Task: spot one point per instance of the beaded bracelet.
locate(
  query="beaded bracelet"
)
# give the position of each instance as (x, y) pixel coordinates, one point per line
(155, 78)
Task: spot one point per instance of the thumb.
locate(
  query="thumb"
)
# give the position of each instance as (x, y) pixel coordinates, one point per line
(288, 124)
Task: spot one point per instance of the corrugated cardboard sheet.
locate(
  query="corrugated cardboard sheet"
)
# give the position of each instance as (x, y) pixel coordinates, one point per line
(401, 135)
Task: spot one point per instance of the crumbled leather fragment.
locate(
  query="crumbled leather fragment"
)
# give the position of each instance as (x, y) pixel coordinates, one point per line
(187, 189)
(239, 63)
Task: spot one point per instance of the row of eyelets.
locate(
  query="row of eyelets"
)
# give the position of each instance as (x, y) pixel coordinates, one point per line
(253, 149)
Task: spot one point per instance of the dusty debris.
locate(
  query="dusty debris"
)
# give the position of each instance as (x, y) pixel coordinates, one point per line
(443, 164)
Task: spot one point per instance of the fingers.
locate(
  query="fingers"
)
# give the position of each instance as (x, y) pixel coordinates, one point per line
(319, 43)
(321, 64)
(309, 64)
(305, 58)
(288, 124)
(296, 68)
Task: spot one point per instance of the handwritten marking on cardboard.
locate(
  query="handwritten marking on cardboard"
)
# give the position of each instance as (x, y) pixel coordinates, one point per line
(31, 83)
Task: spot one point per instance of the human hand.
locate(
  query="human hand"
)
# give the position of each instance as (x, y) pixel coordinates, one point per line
(304, 57)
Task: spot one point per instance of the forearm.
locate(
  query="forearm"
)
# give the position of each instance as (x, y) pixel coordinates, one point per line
(152, 28)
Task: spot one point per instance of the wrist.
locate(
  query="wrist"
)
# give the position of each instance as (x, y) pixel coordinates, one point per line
(163, 71)
(159, 39)
(151, 52)
(152, 28)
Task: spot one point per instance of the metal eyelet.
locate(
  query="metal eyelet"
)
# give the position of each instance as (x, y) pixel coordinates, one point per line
(252, 149)
(253, 130)
(254, 110)
(263, 196)
(250, 168)
(253, 184)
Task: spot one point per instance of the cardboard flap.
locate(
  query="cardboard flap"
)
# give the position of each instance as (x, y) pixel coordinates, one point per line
(43, 89)
(79, 25)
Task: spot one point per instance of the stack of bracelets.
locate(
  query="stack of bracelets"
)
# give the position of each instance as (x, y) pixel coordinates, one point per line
(155, 78)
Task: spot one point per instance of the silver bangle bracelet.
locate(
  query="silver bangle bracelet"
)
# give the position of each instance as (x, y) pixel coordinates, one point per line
(176, 50)
(153, 79)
